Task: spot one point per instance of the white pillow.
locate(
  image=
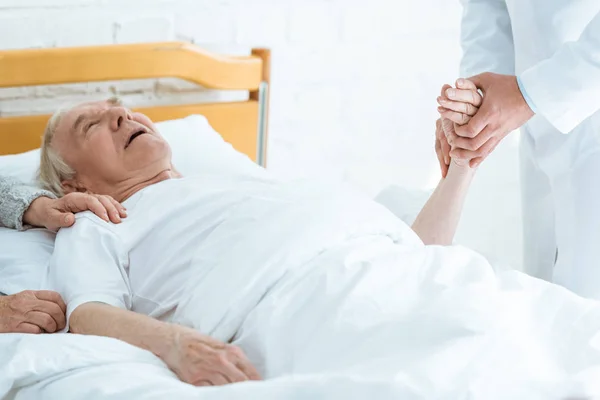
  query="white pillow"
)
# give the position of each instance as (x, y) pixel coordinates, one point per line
(195, 144)
(24, 258)
(21, 166)
(196, 147)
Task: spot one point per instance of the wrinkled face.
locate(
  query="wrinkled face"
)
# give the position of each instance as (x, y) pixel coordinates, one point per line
(108, 146)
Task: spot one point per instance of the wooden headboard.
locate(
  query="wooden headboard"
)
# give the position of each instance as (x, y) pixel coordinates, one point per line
(242, 123)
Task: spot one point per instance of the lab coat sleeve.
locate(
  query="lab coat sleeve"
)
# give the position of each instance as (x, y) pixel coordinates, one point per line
(565, 88)
(88, 265)
(486, 38)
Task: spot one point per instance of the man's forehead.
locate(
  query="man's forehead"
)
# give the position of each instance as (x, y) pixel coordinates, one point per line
(85, 108)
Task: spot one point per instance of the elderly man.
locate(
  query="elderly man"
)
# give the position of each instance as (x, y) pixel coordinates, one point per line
(224, 276)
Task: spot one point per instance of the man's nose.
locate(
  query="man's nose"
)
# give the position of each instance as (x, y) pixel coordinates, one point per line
(117, 116)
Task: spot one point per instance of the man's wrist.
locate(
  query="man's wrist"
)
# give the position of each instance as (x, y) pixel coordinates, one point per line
(461, 168)
(164, 341)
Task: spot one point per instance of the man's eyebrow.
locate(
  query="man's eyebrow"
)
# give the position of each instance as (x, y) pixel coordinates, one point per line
(78, 121)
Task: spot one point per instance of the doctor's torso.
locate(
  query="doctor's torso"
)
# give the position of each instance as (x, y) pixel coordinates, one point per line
(540, 27)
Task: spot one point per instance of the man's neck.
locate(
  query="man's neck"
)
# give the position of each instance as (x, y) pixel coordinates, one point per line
(121, 196)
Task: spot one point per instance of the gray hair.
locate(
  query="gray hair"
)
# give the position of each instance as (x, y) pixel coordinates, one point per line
(53, 169)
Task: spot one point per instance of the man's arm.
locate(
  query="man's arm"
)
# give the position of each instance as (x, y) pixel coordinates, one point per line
(195, 358)
(565, 88)
(486, 38)
(101, 319)
(438, 220)
(88, 267)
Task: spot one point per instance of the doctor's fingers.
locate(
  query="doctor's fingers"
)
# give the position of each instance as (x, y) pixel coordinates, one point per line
(474, 163)
(476, 142)
(476, 124)
(466, 84)
(464, 108)
(465, 96)
(482, 153)
(456, 117)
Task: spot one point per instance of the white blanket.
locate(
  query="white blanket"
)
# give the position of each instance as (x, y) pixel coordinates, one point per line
(343, 302)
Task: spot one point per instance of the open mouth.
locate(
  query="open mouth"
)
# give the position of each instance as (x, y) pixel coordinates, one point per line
(133, 136)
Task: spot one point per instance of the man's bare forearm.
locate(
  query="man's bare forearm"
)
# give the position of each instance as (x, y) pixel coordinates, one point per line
(196, 358)
(136, 329)
(438, 220)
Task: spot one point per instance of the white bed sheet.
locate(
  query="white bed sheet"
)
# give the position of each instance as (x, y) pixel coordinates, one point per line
(346, 305)
(71, 367)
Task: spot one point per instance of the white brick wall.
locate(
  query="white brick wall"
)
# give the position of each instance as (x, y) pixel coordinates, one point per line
(353, 91)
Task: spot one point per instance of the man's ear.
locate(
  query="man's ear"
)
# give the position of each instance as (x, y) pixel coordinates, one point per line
(73, 186)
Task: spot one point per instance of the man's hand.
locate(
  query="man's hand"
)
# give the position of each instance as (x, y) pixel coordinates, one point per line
(442, 148)
(32, 312)
(503, 110)
(195, 358)
(58, 213)
(203, 361)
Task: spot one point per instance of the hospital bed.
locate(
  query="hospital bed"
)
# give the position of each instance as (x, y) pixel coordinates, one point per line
(462, 304)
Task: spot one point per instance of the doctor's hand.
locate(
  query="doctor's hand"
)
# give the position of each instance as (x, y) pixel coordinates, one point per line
(32, 312)
(455, 114)
(59, 213)
(203, 361)
(503, 110)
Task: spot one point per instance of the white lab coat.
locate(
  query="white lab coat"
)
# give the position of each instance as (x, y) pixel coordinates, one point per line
(554, 47)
